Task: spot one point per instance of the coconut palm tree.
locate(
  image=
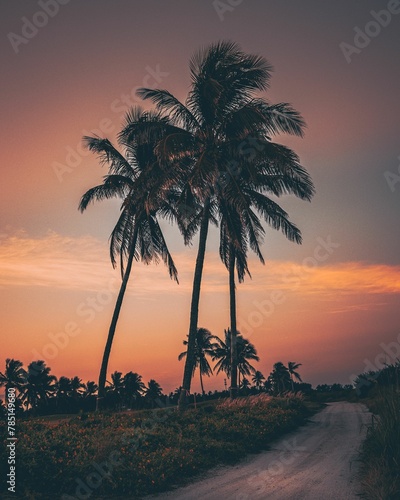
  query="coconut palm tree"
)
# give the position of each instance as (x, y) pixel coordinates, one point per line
(245, 352)
(77, 387)
(221, 113)
(89, 389)
(153, 392)
(258, 379)
(40, 386)
(139, 179)
(63, 393)
(204, 347)
(244, 385)
(133, 388)
(14, 376)
(292, 367)
(280, 378)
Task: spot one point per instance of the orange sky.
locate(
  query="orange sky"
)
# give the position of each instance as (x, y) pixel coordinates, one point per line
(62, 290)
(328, 309)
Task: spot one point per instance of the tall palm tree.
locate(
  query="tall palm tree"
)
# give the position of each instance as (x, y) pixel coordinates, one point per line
(14, 376)
(220, 113)
(258, 379)
(292, 367)
(203, 347)
(139, 179)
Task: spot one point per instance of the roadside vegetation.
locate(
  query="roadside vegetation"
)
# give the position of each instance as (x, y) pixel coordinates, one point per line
(143, 452)
(380, 391)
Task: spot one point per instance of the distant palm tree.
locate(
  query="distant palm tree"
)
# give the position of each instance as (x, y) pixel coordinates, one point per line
(140, 181)
(245, 352)
(244, 384)
(63, 392)
(203, 347)
(76, 387)
(117, 383)
(292, 367)
(14, 376)
(258, 379)
(89, 389)
(280, 378)
(133, 388)
(153, 392)
(40, 386)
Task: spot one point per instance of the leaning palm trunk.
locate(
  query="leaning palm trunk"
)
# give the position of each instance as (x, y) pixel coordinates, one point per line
(232, 305)
(113, 325)
(194, 309)
(201, 383)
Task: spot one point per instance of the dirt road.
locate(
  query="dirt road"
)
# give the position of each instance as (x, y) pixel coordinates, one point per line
(316, 462)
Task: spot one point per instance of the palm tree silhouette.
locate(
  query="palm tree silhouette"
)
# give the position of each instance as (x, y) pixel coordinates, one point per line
(89, 389)
(133, 388)
(76, 388)
(140, 180)
(245, 352)
(258, 379)
(40, 386)
(280, 378)
(221, 113)
(292, 367)
(153, 392)
(14, 376)
(244, 385)
(63, 393)
(203, 347)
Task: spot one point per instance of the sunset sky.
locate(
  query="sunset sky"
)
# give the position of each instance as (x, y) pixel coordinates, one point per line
(328, 304)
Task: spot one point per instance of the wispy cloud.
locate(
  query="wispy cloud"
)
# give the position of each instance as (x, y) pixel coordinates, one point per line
(57, 261)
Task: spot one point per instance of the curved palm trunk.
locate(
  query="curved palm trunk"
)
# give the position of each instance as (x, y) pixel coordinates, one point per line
(232, 305)
(194, 309)
(113, 325)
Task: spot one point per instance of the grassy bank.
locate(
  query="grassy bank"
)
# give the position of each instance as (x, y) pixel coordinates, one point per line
(381, 450)
(137, 454)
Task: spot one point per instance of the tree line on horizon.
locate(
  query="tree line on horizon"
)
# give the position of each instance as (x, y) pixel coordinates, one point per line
(208, 160)
(40, 392)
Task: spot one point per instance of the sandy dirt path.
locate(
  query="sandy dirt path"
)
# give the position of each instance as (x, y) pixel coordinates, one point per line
(316, 462)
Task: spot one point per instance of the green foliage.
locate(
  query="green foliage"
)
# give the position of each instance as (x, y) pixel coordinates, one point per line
(154, 450)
